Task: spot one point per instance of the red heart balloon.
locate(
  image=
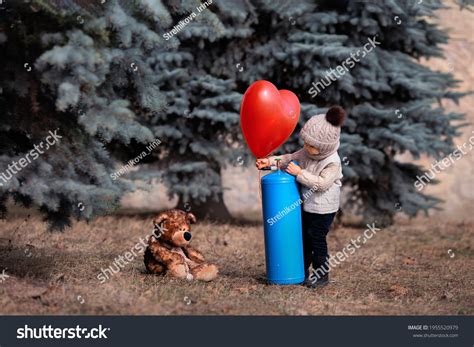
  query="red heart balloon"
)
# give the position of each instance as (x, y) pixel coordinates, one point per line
(268, 116)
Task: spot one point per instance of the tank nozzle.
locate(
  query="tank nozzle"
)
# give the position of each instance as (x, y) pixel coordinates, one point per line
(277, 160)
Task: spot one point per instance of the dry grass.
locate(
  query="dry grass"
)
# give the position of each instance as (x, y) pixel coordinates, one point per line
(404, 269)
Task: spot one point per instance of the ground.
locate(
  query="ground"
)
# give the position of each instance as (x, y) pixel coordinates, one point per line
(420, 267)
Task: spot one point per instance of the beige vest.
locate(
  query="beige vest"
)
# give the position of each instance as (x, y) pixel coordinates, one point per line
(321, 202)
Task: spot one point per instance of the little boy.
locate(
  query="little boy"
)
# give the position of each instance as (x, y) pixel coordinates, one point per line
(320, 173)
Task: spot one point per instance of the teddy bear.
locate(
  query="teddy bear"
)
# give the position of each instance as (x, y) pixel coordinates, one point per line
(168, 249)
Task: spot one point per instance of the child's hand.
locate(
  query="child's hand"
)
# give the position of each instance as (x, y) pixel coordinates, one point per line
(261, 163)
(293, 169)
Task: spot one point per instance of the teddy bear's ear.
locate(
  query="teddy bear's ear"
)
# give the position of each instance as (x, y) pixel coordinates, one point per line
(160, 218)
(191, 218)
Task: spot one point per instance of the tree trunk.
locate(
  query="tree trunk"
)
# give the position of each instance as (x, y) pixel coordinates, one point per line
(211, 209)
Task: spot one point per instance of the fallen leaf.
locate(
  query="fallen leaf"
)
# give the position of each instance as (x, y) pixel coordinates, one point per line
(409, 261)
(398, 290)
(247, 289)
(243, 290)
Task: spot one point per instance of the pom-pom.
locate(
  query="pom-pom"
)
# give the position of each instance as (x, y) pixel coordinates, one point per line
(336, 116)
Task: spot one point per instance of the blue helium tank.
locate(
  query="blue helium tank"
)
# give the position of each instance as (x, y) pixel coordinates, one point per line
(282, 226)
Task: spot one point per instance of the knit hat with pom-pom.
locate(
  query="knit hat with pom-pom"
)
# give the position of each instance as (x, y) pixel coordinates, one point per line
(323, 131)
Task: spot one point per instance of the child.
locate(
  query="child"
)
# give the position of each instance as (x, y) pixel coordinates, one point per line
(320, 174)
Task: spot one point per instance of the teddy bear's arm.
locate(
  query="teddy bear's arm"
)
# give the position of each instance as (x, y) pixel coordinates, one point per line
(193, 254)
(163, 254)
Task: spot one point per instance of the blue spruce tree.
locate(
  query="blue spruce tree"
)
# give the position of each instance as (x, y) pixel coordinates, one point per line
(393, 101)
(112, 76)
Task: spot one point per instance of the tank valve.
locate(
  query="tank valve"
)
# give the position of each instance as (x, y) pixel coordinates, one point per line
(277, 160)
